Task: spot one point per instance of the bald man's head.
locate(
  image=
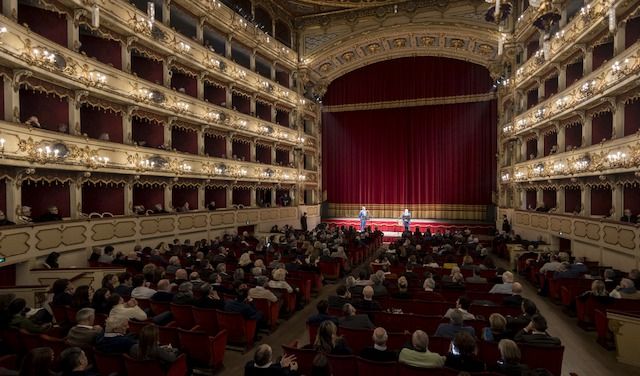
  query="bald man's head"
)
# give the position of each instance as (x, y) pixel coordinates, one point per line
(516, 288)
(380, 336)
(367, 293)
(262, 357)
(420, 340)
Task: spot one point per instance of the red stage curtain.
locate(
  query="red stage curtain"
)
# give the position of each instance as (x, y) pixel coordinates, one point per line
(93, 199)
(419, 155)
(409, 78)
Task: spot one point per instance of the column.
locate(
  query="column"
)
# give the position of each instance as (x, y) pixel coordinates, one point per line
(540, 90)
(587, 62)
(618, 120)
(10, 9)
(523, 199)
(229, 197)
(561, 139)
(562, 78)
(14, 199)
(168, 202)
(229, 146)
(166, 12)
(125, 55)
(273, 154)
(585, 201)
(166, 72)
(252, 151)
(523, 150)
(252, 61)
(586, 131)
(560, 200)
(540, 145)
(128, 198)
(73, 35)
(200, 134)
(273, 198)
(252, 105)
(200, 86)
(75, 199)
(127, 129)
(200, 30)
(274, 113)
(539, 197)
(74, 116)
(617, 201)
(273, 71)
(11, 102)
(619, 39)
(229, 97)
(563, 17)
(202, 205)
(253, 202)
(167, 135)
(227, 47)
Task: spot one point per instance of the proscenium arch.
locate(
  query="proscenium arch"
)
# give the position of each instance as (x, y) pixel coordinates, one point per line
(473, 44)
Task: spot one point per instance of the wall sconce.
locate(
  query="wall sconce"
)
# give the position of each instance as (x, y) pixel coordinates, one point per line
(182, 107)
(558, 167)
(95, 79)
(185, 167)
(302, 177)
(519, 175)
(522, 123)
(212, 116)
(561, 103)
(621, 68)
(301, 140)
(212, 63)
(585, 12)
(183, 47)
(582, 163)
(506, 177)
(540, 113)
(97, 161)
(616, 158)
(151, 13)
(242, 123)
(587, 88)
(538, 169)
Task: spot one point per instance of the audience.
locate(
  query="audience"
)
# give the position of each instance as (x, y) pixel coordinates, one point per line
(367, 303)
(37, 362)
(115, 340)
(403, 289)
(418, 355)
(262, 364)
(379, 352)
(342, 297)
(163, 293)
(209, 298)
(84, 333)
(327, 340)
(128, 310)
(515, 300)
(506, 287)
(497, 329)
(462, 354)
(351, 320)
(261, 292)
(74, 362)
(455, 325)
(536, 333)
(510, 359)
(626, 290)
(148, 347)
(141, 288)
(323, 307)
(125, 284)
(462, 305)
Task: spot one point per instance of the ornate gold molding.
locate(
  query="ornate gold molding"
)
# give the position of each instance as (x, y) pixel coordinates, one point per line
(435, 101)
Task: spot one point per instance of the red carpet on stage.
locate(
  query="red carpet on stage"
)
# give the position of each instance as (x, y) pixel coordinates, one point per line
(391, 225)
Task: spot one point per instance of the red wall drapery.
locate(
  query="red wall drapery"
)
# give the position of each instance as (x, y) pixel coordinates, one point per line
(50, 110)
(549, 198)
(186, 82)
(217, 194)
(148, 196)
(600, 200)
(632, 198)
(95, 121)
(184, 140)
(601, 127)
(241, 197)
(104, 50)
(631, 117)
(215, 146)
(41, 195)
(550, 139)
(572, 200)
(50, 25)
(180, 195)
(531, 199)
(102, 198)
(418, 155)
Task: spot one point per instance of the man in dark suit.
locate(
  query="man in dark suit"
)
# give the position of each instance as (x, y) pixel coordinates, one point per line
(628, 217)
(115, 339)
(367, 303)
(243, 306)
(303, 222)
(163, 292)
(263, 365)
(341, 298)
(514, 324)
(379, 352)
(322, 315)
(536, 333)
(455, 325)
(515, 300)
(125, 285)
(351, 320)
(476, 278)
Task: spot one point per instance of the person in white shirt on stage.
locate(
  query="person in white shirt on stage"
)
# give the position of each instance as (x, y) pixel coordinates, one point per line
(364, 216)
(406, 219)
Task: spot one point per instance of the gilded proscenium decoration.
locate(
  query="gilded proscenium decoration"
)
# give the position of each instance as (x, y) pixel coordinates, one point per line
(609, 76)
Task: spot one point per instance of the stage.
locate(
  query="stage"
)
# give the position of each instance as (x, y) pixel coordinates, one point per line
(393, 227)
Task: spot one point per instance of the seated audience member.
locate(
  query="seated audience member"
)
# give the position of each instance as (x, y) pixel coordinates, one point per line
(341, 298)
(536, 333)
(497, 329)
(84, 333)
(476, 278)
(553, 265)
(367, 303)
(379, 352)
(25, 216)
(279, 282)
(322, 315)
(628, 217)
(18, 319)
(598, 289)
(81, 297)
(634, 275)
(37, 362)
(128, 310)
(320, 366)
(174, 265)
(115, 339)
(419, 355)
(51, 215)
(515, 324)
(506, 286)
(51, 262)
(242, 304)
(141, 288)
(74, 362)
(4, 221)
(107, 255)
(509, 363)
(455, 325)
(263, 365)
(610, 280)
(209, 298)
(449, 278)
(377, 279)
(110, 281)
(515, 300)
(403, 289)
(462, 304)
(184, 296)
(100, 301)
(181, 277)
(148, 348)
(260, 291)
(429, 285)
(125, 284)
(351, 320)
(626, 290)
(327, 340)
(62, 291)
(163, 293)
(462, 354)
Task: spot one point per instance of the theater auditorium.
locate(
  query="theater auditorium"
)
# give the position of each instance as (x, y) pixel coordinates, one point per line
(320, 187)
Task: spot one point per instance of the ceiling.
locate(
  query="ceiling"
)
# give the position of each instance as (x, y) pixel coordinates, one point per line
(310, 8)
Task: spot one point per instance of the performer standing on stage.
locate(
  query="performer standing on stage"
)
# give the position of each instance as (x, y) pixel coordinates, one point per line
(364, 216)
(406, 219)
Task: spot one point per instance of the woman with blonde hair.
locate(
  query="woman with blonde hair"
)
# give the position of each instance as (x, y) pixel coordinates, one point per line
(278, 281)
(509, 363)
(327, 340)
(497, 329)
(245, 262)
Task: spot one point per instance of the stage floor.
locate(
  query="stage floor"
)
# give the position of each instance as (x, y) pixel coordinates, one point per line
(394, 226)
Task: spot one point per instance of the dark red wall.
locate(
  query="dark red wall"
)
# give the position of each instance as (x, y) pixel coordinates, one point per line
(148, 196)
(219, 195)
(40, 195)
(104, 50)
(102, 198)
(95, 121)
(50, 110)
(50, 25)
(180, 195)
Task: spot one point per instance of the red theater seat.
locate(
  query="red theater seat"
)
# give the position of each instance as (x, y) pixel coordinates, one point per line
(270, 311)
(108, 364)
(369, 368)
(240, 331)
(343, 364)
(304, 357)
(543, 357)
(330, 270)
(159, 307)
(203, 349)
(182, 316)
(206, 320)
(153, 368)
